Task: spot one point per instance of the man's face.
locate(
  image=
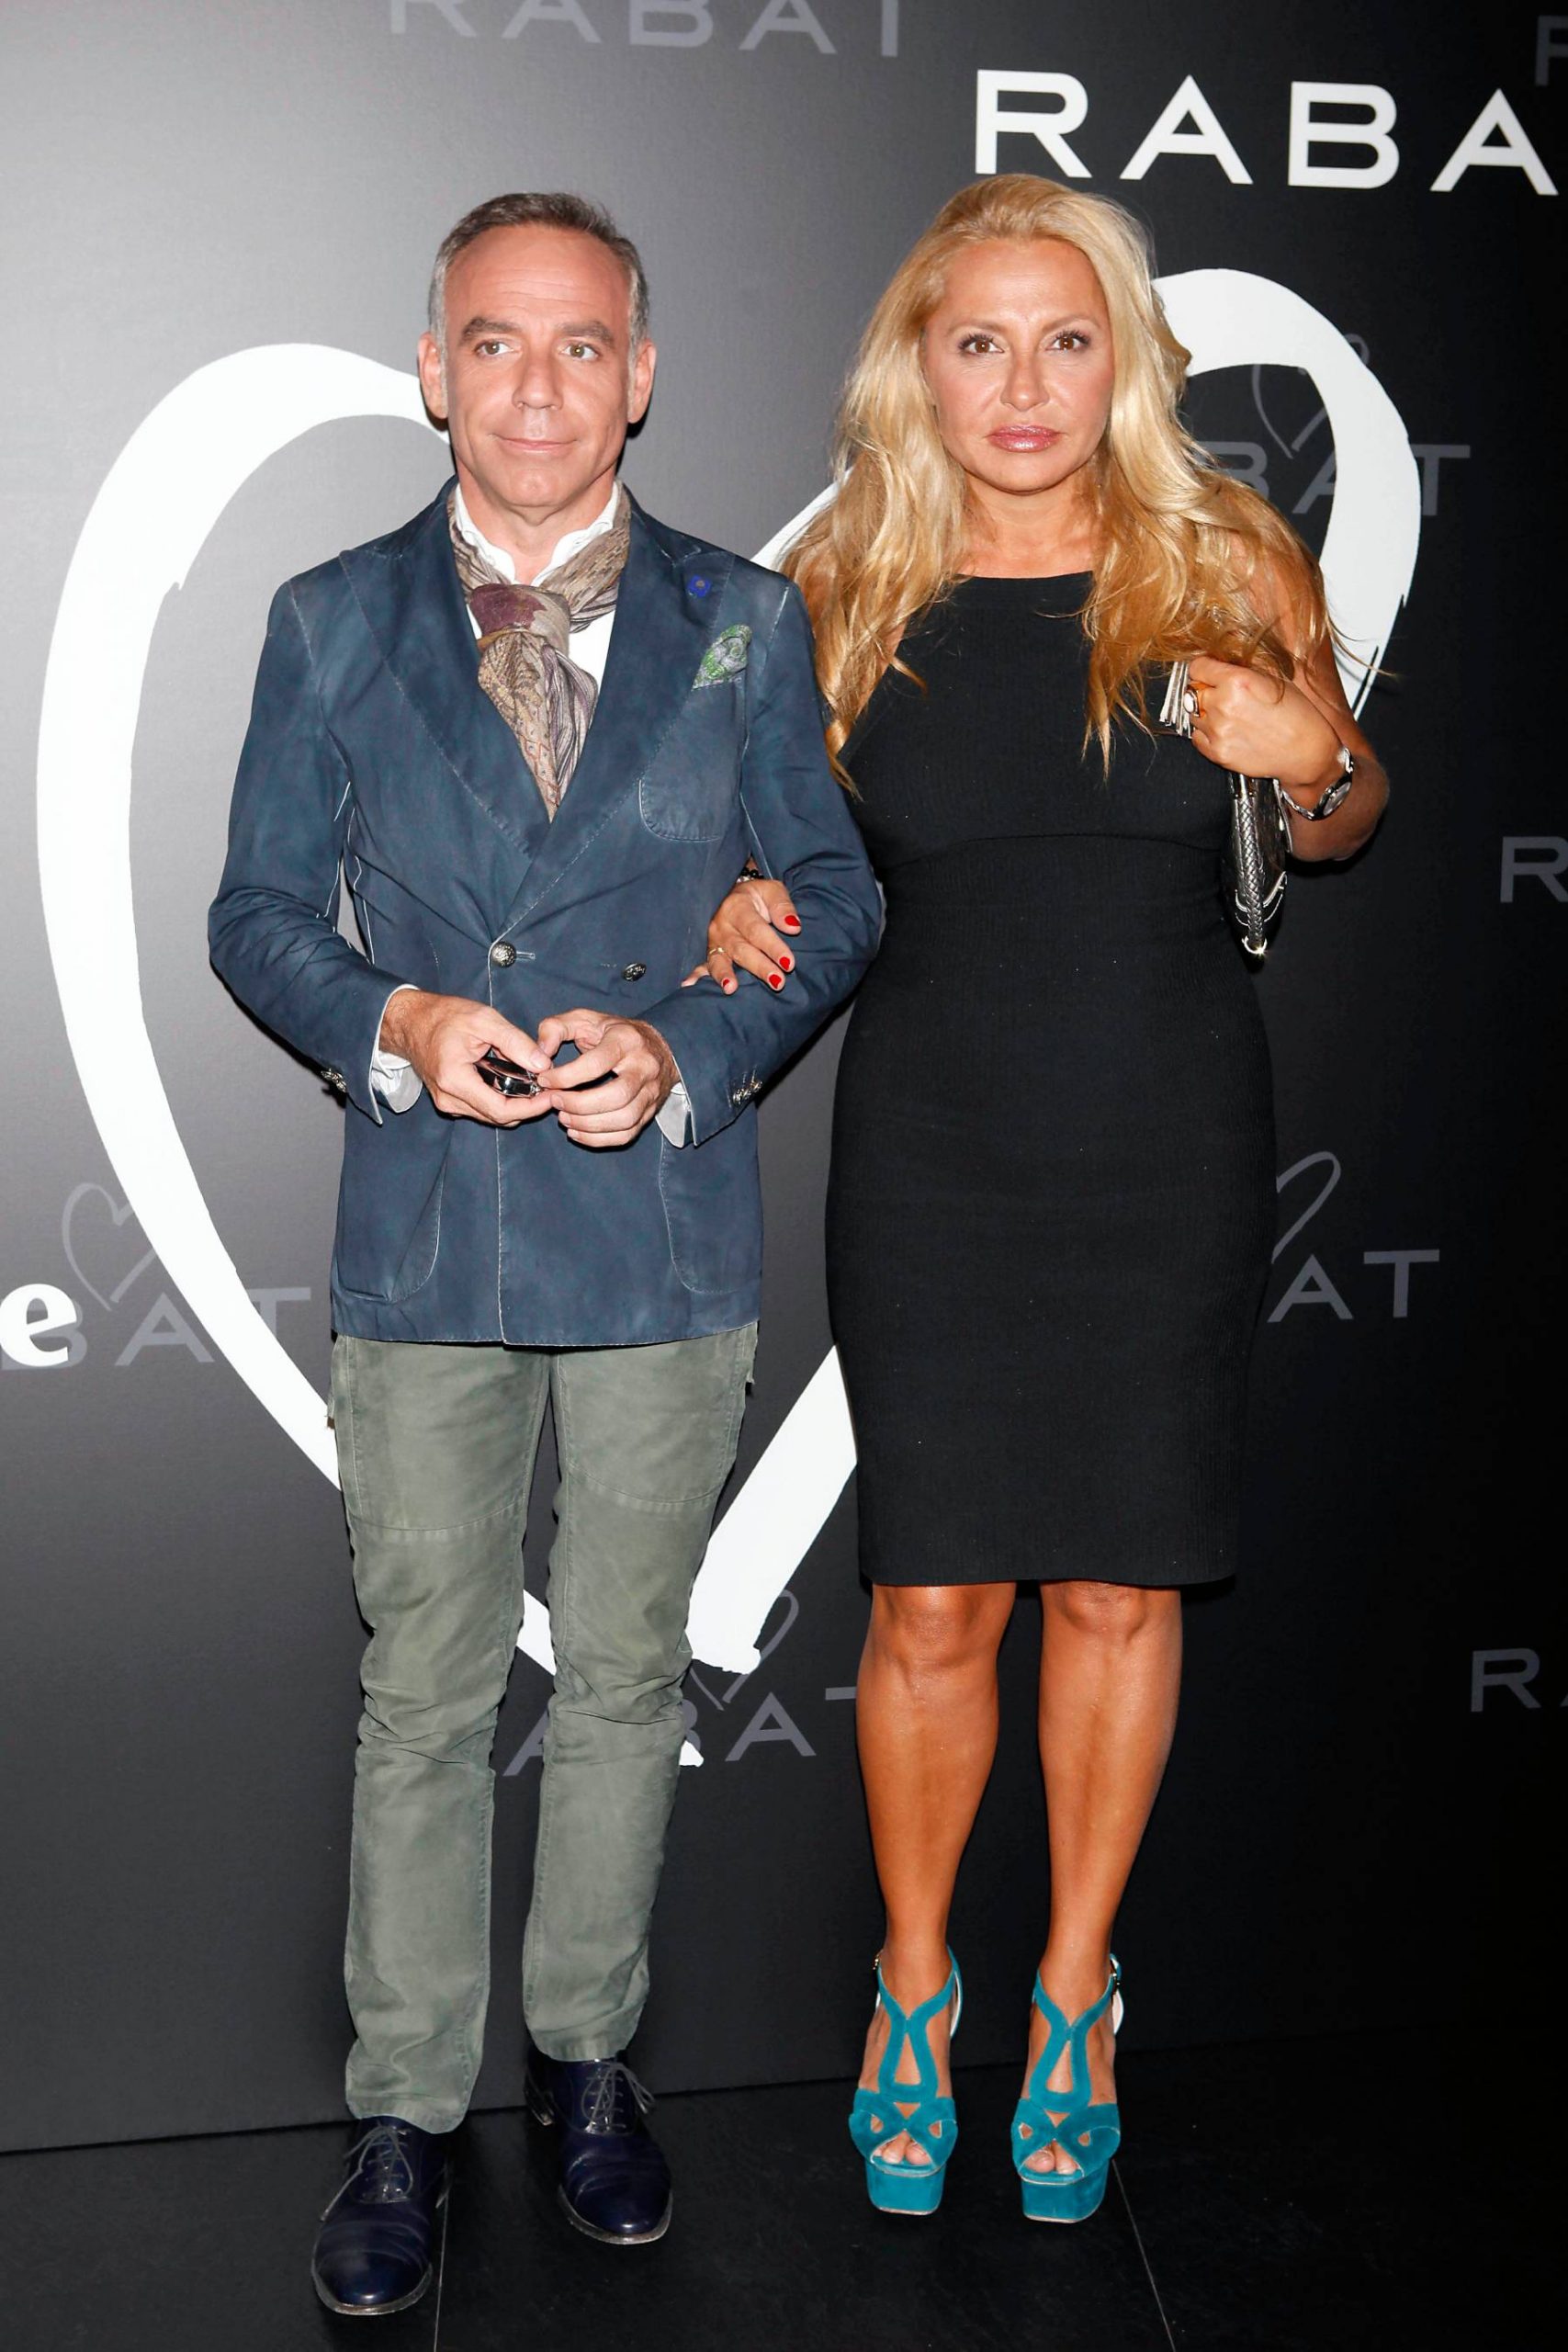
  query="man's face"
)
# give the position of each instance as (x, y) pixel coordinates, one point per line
(538, 384)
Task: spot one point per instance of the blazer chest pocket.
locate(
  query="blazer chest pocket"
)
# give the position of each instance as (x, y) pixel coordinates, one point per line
(691, 790)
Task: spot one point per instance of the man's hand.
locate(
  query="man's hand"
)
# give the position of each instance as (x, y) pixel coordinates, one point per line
(444, 1037)
(634, 1062)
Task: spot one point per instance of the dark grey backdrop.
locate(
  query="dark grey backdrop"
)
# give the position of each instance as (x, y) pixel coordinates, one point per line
(1353, 1813)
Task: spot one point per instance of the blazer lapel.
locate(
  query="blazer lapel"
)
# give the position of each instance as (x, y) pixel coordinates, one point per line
(414, 606)
(660, 631)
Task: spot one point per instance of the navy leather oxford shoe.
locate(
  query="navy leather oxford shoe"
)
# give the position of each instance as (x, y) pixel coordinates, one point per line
(614, 2183)
(373, 2249)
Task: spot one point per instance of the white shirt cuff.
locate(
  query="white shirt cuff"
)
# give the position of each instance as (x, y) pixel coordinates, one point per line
(395, 1080)
(674, 1116)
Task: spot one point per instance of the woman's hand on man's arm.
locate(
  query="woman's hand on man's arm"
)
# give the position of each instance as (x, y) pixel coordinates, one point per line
(751, 931)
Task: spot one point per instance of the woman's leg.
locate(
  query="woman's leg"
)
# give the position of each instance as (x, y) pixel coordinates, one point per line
(1109, 1674)
(926, 1715)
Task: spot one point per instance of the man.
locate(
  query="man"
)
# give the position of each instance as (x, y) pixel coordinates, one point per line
(541, 733)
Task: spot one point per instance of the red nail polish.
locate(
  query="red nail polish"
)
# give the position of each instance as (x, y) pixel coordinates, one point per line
(787, 963)
(792, 922)
(775, 981)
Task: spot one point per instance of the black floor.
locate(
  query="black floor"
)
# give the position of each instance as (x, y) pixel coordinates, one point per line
(1319, 2196)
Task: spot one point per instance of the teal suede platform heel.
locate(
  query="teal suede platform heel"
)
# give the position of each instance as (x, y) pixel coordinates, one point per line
(932, 2121)
(1089, 2135)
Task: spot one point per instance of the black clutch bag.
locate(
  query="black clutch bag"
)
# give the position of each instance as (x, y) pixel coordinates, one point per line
(1254, 871)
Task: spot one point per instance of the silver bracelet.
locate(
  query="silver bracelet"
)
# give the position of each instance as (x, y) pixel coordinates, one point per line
(1332, 797)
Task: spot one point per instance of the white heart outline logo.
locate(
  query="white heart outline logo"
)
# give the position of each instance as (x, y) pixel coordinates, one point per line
(118, 1217)
(159, 503)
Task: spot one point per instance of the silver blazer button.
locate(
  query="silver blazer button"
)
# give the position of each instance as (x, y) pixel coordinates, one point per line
(503, 953)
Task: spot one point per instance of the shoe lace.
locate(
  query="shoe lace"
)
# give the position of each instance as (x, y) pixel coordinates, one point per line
(605, 2097)
(381, 2167)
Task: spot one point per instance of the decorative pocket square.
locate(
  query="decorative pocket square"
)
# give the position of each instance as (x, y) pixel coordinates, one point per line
(726, 656)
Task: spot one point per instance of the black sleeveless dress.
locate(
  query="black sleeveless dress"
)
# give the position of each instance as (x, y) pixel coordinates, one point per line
(1052, 1197)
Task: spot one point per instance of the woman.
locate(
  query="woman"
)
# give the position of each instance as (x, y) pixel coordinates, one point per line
(1052, 1196)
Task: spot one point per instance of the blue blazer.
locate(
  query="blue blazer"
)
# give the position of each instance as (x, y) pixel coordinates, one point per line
(373, 752)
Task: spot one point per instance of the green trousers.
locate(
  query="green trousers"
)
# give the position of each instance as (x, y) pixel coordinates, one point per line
(435, 1448)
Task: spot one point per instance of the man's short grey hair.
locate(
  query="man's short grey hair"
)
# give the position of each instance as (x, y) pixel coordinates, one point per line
(542, 212)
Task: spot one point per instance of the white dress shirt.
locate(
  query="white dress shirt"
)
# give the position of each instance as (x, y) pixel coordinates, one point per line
(395, 1080)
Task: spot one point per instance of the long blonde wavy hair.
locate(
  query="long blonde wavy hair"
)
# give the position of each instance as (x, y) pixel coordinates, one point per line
(1184, 549)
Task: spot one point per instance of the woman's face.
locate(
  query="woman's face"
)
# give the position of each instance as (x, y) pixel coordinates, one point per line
(1019, 358)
